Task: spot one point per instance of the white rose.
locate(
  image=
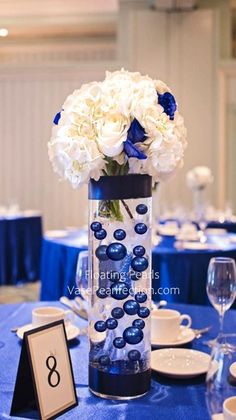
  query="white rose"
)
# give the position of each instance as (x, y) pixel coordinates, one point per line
(111, 133)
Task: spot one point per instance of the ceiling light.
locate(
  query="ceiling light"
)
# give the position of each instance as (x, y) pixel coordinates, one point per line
(3, 32)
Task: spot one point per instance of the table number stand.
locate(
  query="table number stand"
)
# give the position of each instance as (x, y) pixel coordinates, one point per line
(26, 396)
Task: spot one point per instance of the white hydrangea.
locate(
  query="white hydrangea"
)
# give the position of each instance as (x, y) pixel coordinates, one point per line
(199, 177)
(95, 122)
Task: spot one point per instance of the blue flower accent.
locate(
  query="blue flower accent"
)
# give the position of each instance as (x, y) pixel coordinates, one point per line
(132, 151)
(136, 134)
(167, 101)
(57, 118)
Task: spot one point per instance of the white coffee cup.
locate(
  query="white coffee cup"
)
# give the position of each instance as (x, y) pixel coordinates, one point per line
(47, 314)
(165, 324)
(229, 408)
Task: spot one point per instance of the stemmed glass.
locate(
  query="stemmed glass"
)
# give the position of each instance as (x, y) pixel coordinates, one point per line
(82, 278)
(221, 376)
(221, 285)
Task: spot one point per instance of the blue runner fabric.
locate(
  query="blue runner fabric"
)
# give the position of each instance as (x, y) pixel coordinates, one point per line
(168, 399)
(20, 250)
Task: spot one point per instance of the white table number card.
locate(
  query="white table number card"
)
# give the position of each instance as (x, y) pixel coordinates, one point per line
(45, 378)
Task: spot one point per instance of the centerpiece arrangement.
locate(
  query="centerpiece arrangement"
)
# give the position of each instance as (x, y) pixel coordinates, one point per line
(198, 179)
(121, 136)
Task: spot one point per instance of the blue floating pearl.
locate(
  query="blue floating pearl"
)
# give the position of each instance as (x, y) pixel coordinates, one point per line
(140, 297)
(139, 323)
(101, 253)
(100, 326)
(119, 290)
(141, 209)
(139, 264)
(139, 250)
(95, 226)
(102, 293)
(119, 342)
(104, 360)
(119, 234)
(140, 228)
(114, 276)
(143, 312)
(133, 335)
(131, 307)
(134, 355)
(134, 275)
(101, 234)
(111, 323)
(116, 251)
(117, 313)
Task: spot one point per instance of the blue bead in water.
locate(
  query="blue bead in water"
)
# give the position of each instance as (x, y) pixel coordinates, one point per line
(140, 228)
(104, 360)
(119, 342)
(131, 307)
(141, 209)
(116, 251)
(101, 253)
(102, 293)
(96, 226)
(143, 312)
(101, 234)
(133, 335)
(117, 313)
(134, 355)
(119, 290)
(113, 276)
(139, 323)
(111, 323)
(100, 326)
(139, 264)
(119, 234)
(139, 250)
(140, 297)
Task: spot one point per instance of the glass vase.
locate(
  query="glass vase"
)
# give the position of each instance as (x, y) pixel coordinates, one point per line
(120, 286)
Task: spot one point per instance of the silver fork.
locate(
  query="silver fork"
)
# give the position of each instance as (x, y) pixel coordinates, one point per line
(199, 332)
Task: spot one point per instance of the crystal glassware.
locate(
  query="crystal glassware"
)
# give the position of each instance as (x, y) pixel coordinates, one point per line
(221, 376)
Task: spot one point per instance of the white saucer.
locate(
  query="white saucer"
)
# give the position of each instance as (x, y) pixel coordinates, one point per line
(219, 416)
(71, 331)
(180, 363)
(186, 336)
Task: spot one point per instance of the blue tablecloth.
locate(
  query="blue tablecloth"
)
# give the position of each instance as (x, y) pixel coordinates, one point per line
(20, 249)
(168, 399)
(178, 275)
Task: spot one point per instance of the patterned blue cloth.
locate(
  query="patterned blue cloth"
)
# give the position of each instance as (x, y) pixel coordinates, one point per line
(185, 270)
(168, 398)
(20, 249)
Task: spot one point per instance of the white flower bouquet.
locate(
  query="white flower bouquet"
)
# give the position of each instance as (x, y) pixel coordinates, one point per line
(199, 178)
(126, 124)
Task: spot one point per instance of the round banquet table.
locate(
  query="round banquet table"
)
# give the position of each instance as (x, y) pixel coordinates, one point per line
(178, 275)
(168, 398)
(20, 249)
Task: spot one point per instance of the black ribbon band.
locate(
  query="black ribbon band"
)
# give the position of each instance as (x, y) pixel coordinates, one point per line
(120, 187)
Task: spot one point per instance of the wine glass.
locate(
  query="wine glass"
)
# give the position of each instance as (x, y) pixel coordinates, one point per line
(221, 376)
(221, 285)
(82, 277)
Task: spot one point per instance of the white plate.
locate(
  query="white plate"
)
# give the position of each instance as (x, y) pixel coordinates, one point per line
(71, 331)
(56, 233)
(180, 363)
(232, 369)
(186, 336)
(187, 237)
(196, 246)
(215, 231)
(219, 416)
